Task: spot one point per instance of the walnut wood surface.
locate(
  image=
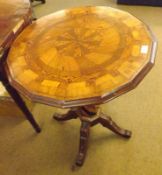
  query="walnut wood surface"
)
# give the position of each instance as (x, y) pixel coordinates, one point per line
(90, 116)
(81, 56)
(14, 14)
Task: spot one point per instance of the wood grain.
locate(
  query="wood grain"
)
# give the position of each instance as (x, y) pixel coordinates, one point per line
(81, 56)
(14, 15)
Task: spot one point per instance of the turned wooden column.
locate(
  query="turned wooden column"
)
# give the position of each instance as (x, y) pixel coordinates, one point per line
(90, 116)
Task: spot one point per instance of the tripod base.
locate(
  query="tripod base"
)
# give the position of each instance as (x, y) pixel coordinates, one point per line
(89, 117)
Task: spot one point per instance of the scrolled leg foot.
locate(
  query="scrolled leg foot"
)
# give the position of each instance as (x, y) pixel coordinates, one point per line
(107, 122)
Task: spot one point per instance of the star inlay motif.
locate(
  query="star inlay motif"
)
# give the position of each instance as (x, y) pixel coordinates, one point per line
(77, 42)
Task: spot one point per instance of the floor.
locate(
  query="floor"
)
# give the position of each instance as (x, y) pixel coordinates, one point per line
(53, 151)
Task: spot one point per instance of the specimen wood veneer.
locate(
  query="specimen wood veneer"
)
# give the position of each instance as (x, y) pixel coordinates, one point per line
(81, 56)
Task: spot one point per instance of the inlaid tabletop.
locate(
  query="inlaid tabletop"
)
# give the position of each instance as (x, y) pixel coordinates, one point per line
(80, 56)
(14, 14)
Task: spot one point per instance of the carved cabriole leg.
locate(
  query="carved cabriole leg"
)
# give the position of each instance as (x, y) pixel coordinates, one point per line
(76, 112)
(72, 114)
(89, 117)
(107, 122)
(84, 137)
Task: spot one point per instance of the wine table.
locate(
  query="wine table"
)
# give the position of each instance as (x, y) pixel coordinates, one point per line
(80, 58)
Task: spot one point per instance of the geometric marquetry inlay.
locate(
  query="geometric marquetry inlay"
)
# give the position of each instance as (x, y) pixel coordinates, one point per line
(81, 55)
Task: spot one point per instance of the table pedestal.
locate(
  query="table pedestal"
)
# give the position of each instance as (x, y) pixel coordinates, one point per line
(90, 116)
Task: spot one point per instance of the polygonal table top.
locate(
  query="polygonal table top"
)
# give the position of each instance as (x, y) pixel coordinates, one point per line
(81, 56)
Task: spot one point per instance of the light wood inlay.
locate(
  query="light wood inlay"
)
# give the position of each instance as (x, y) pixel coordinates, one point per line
(80, 53)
